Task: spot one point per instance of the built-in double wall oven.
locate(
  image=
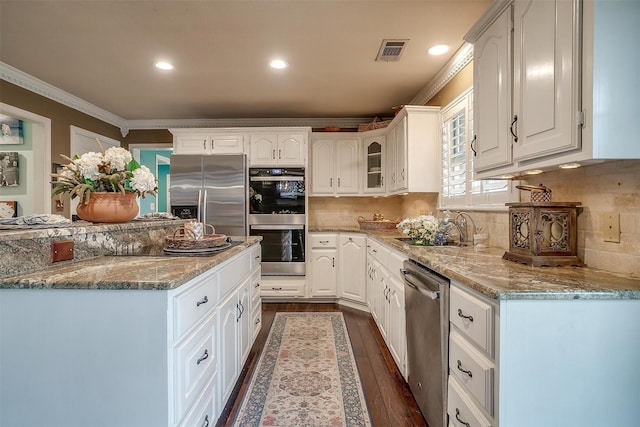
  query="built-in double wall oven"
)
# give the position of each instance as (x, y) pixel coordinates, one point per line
(277, 212)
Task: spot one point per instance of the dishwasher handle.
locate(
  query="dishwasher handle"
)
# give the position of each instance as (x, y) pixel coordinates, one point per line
(426, 292)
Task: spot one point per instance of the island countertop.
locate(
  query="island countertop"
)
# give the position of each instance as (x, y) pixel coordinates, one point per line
(485, 271)
(160, 272)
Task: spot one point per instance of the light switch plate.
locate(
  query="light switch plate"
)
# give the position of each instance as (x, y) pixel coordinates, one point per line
(611, 227)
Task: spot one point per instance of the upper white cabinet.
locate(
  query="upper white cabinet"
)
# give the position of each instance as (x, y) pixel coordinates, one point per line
(571, 73)
(545, 78)
(374, 164)
(278, 148)
(335, 164)
(492, 94)
(412, 151)
(207, 141)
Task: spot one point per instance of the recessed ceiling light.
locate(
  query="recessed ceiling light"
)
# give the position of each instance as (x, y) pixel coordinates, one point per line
(278, 64)
(438, 49)
(533, 172)
(162, 65)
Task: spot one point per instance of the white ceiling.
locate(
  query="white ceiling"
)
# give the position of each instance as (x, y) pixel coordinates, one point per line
(103, 52)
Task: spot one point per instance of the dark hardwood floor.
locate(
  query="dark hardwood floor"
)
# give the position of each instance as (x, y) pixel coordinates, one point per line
(388, 397)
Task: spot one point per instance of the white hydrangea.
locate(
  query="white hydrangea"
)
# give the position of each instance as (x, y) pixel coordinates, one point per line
(88, 164)
(143, 180)
(424, 229)
(118, 158)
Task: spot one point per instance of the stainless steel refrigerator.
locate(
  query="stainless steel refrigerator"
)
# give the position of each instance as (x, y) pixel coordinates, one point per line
(211, 189)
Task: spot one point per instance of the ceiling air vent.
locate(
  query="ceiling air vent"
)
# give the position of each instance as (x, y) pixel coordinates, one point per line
(391, 50)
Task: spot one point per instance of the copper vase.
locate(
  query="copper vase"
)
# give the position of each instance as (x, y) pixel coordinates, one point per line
(109, 207)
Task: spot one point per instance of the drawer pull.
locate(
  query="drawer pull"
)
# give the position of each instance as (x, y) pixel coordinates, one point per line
(204, 301)
(204, 356)
(461, 369)
(464, 316)
(257, 285)
(206, 421)
(257, 321)
(324, 242)
(276, 289)
(460, 420)
(257, 257)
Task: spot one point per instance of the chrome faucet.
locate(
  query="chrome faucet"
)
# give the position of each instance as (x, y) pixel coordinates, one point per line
(461, 224)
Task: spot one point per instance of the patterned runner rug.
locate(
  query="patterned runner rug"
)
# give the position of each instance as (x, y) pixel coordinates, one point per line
(306, 376)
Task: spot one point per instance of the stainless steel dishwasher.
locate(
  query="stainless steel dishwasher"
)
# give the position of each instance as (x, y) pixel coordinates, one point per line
(426, 296)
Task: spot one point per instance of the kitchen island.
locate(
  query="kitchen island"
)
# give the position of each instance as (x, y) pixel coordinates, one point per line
(117, 339)
(532, 346)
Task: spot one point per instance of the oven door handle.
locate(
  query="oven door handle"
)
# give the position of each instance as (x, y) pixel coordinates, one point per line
(276, 178)
(277, 227)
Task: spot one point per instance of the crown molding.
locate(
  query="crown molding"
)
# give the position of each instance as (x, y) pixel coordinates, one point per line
(33, 84)
(463, 56)
(343, 122)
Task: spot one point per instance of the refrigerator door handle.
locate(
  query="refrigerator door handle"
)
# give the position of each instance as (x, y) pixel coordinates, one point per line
(199, 211)
(203, 219)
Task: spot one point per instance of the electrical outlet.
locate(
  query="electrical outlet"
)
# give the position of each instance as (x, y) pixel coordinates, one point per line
(62, 250)
(611, 227)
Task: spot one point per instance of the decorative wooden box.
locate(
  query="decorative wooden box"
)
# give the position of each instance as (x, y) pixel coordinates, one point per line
(543, 233)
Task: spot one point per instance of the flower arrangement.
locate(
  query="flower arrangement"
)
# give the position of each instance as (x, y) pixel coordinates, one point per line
(113, 170)
(426, 230)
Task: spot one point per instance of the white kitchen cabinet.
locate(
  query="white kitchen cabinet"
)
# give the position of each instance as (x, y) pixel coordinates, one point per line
(412, 161)
(235, 333)
(571, 76)
(335, 165)
(352, 256)
(278, 148)
(207, 141)
(507, 354)
(323, 269)
(103, 346)
(492, 94)
(385, 295)
(374, 155)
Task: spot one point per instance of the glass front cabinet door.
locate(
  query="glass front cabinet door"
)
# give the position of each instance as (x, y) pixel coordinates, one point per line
(374, 152)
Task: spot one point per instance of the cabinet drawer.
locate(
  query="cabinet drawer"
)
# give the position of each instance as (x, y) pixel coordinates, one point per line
(395, 264)
(378, 251)
(472, 369)
(194, 365)
(473, 317)
(256, 320)
(204, 412)
(256, 256)
(461, 409)
(323, 240)
(255, 288)
(233, 274)
(192, 305)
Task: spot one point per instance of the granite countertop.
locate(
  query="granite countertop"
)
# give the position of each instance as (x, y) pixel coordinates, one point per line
(485, 271)
(159, 272)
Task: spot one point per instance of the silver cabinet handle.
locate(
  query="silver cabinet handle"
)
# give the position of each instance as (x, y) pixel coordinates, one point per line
(338, 182)
(330, 182)
(203, 301)
(204, 144)
(461, 369)
(206, 421)
(257, 321)
(276, 289)
(324, 242)
(204, 357)
(333, 262)
(273, 154)
(280, 154)
(515, 136)
(257, 285)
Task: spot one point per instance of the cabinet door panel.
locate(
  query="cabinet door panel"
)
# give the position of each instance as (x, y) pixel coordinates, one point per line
(290, 150)
(323, 272)
(227, 144)
(263, 150)
(545, 77)
(347, 166)
(352, 265)
(192, 144)
(228, 356)
(492, 95)
(322, 166)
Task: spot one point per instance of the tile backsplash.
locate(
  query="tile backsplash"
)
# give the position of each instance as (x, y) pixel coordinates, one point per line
(612, 186)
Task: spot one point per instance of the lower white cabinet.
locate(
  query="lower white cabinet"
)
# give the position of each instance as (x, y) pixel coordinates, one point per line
(385, 297)
(143, 358)
(323, 272)
(352, 259)
(542, 362)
